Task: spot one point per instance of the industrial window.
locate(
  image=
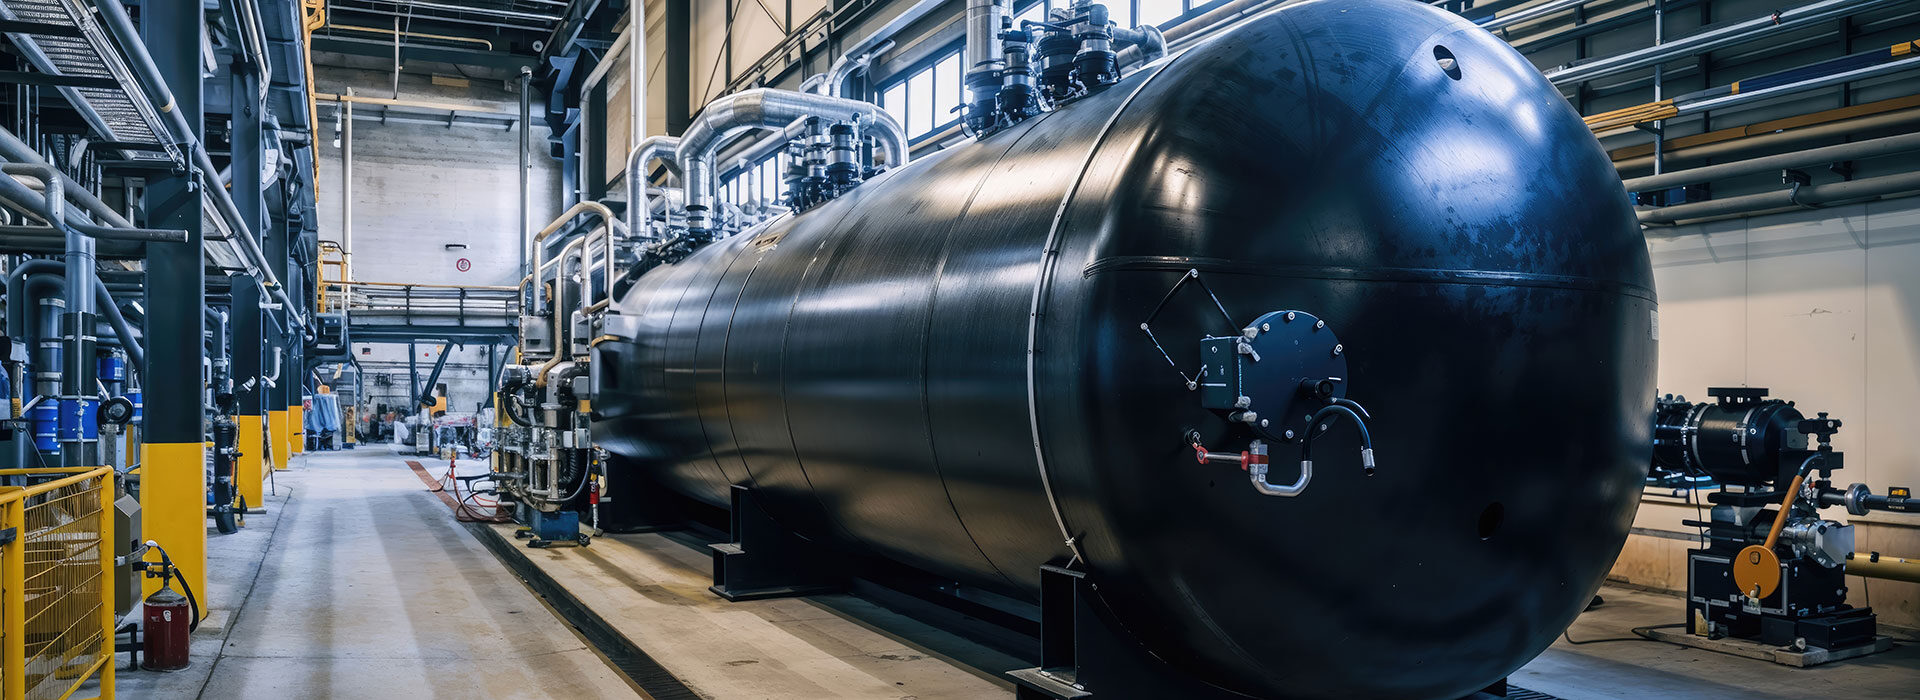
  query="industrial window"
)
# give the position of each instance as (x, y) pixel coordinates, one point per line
(928, 100)
(762, 182)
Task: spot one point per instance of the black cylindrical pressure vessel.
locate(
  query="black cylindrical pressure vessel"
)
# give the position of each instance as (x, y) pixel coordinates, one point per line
(945, 365)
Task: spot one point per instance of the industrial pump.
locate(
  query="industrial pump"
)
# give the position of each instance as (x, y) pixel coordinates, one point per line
(1772, 568)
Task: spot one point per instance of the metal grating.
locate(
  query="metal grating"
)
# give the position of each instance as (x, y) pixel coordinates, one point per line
(116, 114)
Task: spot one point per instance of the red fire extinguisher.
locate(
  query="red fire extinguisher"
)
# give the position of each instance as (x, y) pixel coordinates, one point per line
(168, 618)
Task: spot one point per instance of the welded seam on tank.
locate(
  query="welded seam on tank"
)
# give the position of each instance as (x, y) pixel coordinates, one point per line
(786, 334)
(1049, 255)
(666, 373)
(699, 333)
(1484, 278)
(926, 351)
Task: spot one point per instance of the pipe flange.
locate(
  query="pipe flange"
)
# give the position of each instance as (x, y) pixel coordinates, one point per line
(1855, 499)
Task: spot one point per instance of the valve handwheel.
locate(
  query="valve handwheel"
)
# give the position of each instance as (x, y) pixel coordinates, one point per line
(1757, 569)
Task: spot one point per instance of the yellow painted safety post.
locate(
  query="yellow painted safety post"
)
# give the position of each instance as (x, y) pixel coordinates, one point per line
(173, 510)
(277, 434)
(246, 471)
(297, 428)
(57, 583)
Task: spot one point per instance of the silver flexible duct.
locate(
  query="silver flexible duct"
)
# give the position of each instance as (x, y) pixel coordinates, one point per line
(766, 108)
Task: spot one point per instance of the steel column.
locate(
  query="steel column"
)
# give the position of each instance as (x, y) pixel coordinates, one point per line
(279, 363)
(245, 323)
(173, 483)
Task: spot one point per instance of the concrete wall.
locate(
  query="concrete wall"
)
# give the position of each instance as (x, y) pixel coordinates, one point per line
(1823, 308)
(418, 188)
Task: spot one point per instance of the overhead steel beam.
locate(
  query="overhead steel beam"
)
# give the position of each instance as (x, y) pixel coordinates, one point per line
(487, 11)
(500, 60)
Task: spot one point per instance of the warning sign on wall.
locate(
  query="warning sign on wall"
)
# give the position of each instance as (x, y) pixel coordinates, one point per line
(463, 265)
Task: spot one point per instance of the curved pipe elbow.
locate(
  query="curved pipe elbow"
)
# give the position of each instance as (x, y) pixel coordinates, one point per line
(639, 207)
(1257, 473)
(767, 108)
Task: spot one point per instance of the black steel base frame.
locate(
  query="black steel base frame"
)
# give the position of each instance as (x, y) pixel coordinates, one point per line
(1081, 656)
(765, 560)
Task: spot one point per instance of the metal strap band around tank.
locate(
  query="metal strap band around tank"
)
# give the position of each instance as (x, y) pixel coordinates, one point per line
(1049, 255)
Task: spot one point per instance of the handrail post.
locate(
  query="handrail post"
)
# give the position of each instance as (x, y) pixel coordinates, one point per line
(108, 486)
(13, 601)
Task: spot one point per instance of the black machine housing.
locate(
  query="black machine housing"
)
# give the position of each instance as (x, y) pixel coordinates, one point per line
(1754, 447)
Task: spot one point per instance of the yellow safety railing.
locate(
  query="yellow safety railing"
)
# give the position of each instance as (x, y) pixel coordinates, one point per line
(56, 583)
(331, 295)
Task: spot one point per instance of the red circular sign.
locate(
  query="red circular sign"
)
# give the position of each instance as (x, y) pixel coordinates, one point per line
(463, 265)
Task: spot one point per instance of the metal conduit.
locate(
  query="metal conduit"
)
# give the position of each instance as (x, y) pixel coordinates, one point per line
(1717, 103)
(1831, 154)
(1806, 196)
(1779, 138)
(1494, 24)
(1713, 39)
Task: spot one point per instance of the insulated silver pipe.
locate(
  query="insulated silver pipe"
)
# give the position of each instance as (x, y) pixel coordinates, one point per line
(1725, 101)
(639, 209)
(1714, 39)
(13, 149)
(25, 198)
(1532, 13)
(1778, 139)
(1815, 156)
(1805, 196)
(763, 108)
(857, 56)
(526, 136)
(346, 198)
(79, 246)
(1194, 30)
(637, 72)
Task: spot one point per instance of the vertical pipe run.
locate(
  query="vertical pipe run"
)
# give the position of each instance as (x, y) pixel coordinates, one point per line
(1659, 75)
(637, 76)
(346, 204)
(526, 136)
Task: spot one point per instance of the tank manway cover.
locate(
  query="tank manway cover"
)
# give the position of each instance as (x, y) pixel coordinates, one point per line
(1275, 373)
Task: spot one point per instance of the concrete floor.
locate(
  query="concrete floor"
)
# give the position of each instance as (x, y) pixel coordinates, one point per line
(359, 584)
(1643, 670)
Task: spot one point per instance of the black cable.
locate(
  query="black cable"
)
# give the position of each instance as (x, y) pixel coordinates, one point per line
(586, 475)
(1640, 635)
